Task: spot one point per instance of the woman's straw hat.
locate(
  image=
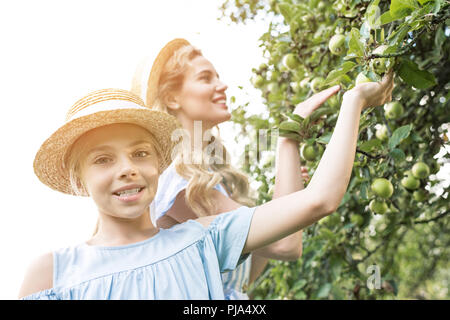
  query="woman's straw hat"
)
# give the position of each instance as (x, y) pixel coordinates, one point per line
(97, 109)
(155, 73)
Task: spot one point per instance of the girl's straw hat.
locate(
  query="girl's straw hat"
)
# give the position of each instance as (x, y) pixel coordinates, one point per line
(155, 73)
(100, 108)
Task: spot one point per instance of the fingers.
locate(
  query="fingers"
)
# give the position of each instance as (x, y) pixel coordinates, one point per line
(304, 174)
(324, 95)
(388, 78)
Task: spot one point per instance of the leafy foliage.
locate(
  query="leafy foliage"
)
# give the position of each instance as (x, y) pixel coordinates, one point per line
(409, 243)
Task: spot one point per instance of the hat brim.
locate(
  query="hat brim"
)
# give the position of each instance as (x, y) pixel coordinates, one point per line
(49, 163)
(155, 74)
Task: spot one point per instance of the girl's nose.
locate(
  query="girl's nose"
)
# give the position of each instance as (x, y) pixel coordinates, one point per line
(127, 169)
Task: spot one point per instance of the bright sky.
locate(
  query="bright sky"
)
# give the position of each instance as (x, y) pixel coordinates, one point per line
(55, 52)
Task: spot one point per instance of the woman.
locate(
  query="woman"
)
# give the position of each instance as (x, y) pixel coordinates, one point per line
(185, 84)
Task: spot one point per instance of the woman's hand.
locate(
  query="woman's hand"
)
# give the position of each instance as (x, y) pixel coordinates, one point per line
(307, 107)
(373, 94)
(305, 174)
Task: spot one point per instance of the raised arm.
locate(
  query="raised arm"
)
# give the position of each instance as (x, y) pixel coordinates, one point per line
(288, 179)
(330, 180)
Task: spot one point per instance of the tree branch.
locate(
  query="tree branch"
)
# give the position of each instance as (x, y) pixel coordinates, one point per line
(378, 156)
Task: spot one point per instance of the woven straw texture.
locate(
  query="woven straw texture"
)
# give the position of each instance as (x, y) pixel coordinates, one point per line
(155, 73)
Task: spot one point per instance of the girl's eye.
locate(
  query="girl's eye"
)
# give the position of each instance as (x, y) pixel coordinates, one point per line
(141, 153)
(101, 160)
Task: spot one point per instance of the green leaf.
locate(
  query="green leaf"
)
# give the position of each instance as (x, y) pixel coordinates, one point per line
(398, 155)
(342, 70)
(324, 290)
(397, 36)
(422, 2)
(355, 46)
(369, 145)
(325, 138)
(363, 193)
(287, 11)
(410, 73)
(373, 14)
(398, 135)
(386, 18)
(401, 8)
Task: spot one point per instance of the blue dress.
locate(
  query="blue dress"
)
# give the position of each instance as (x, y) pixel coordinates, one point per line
(183, 262)
(170, 183)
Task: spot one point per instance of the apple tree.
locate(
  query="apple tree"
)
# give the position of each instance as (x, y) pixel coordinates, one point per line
(390, 236)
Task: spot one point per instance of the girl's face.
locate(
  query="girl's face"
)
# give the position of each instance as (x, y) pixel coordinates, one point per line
(119, 169)
(202, 96)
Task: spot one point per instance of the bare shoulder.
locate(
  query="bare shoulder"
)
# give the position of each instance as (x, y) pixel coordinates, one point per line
(39, 275)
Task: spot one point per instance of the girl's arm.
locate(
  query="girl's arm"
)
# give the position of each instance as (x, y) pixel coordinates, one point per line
(288, 179)
(329, 183)
(39, 276)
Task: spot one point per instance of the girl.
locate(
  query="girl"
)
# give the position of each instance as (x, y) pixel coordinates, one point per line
(112, 149)
(185, 84)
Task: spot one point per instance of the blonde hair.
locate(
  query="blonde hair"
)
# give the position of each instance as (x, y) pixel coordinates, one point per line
(212, 169)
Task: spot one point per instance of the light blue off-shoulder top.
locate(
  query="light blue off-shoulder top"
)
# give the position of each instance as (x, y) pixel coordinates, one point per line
(170, 184)
(183, 262)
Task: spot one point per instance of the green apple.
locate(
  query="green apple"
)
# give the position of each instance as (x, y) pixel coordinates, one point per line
(290, 125)
(378, 207)
(290, 61)
(393, 110)
(357, 219)
(410, 183)
(435, 167)
(263, 66)
(258, 81)
(420, 170)
(317, 83)
(337, 44)
(321, 6)
(295, 85)
(380, 65)
(420, 195)
(272, 87)
(362, 78)
(308, 152)
(382, 188)
(382, 133)
(304, 83)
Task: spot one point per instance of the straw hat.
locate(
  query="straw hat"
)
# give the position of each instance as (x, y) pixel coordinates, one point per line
(155, 73)
(100, 108)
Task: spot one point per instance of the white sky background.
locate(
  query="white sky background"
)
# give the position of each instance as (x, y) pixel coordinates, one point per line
(54, 52)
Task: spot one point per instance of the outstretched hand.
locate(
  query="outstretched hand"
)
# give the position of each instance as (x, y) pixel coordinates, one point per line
(374, 94)
(307, 107)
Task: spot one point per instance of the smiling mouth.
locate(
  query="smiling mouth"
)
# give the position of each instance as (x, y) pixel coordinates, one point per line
(128, 193)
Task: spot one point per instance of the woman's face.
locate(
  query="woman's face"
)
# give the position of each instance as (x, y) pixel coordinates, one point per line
(119, 169)
(202, 95)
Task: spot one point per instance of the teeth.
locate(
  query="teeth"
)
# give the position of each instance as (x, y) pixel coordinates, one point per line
(221, 101)
(128, 192)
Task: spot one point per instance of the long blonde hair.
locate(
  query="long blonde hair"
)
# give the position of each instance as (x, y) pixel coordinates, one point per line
(213, 169)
